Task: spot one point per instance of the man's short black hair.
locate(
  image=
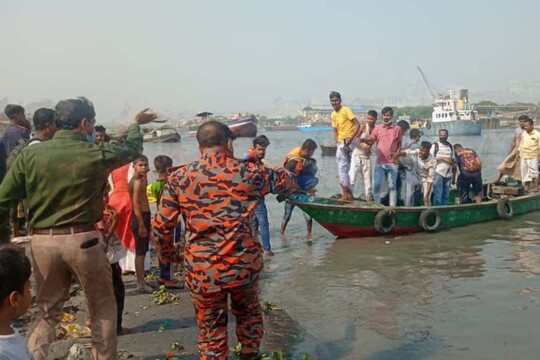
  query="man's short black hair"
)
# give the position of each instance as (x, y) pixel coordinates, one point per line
(387, 109)
(457, 146)
(70, 112)
(100, 128)
(162, 163)
(15, 270)
(425, 144)
(373, 113)
(309, 145)
(261, 140)
(11, 110)
(141, 157)
(214, 133)
(43, 117)
(335, 94)
(414, 133)
(445, 130)
(524, 118)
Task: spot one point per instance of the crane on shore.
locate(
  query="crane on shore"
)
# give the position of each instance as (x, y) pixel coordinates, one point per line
(428, 83)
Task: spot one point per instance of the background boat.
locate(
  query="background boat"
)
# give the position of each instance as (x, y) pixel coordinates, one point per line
(309, 127)
(328, 149)
(281, 128)
(451, 111)
(244, 126)
(163, 134)
(241, 125)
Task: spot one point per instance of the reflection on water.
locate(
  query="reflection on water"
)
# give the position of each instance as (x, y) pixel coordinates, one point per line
(464, 293)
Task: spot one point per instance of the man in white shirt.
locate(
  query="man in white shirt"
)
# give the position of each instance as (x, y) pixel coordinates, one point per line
(445, 172)
(422, 170)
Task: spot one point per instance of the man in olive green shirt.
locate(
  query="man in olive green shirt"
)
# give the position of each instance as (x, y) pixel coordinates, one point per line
(63, 180)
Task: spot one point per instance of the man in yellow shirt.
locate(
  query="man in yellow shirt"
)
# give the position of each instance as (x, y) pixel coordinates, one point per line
(346, 128)
(529, 151)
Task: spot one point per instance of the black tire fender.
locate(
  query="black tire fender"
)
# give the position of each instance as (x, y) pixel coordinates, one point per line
(505, 208)
(385, 221)
(425, 216)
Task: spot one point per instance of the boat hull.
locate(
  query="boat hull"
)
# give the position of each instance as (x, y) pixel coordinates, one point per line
(281, 128)
(455, 128)
(346, 219)
(245, 129)
(328, 150)
(169, 137)
(315, 128)
(240, 128)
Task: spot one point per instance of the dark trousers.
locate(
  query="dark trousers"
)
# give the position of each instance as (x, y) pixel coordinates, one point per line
(119, 293)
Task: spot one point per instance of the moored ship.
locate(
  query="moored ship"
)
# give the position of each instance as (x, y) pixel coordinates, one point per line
(164, 134)
(241, 125)
(455, 114)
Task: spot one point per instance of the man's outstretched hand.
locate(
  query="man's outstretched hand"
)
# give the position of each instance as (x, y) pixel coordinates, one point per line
(145, 116)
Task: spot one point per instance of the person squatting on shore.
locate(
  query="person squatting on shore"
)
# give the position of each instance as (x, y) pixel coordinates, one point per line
(223, 257)
(63, 180)
(346, 129)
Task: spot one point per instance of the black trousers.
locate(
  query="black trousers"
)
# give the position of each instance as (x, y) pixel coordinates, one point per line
(119, 292)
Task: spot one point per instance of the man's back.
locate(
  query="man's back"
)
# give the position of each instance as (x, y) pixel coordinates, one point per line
(216, 196)
(468, 160)
(57, 174)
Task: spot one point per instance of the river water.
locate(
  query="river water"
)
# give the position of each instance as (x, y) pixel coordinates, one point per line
(462, 293)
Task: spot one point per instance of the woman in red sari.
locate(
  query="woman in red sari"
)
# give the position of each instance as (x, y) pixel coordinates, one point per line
(121, 202)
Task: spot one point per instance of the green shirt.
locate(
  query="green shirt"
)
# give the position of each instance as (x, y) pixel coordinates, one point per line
(63, 179)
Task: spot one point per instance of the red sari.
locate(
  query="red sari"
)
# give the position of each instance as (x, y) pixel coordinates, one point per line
(121, 202)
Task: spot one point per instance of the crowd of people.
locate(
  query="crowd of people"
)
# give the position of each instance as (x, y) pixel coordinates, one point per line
(85, 202)
(406, 172)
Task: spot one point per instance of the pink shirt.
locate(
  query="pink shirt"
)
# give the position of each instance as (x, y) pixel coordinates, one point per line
(388, 138)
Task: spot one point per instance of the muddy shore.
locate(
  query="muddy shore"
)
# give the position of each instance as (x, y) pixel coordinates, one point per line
(157, 331)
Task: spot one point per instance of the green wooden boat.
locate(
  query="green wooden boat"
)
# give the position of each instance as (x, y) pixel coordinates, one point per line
(359, 218)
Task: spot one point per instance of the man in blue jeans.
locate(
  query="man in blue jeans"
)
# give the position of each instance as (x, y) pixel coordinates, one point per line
(260, 218)
(445, 171)
(388, 137)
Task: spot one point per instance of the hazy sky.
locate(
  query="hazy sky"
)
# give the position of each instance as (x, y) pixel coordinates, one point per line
(231, 55)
